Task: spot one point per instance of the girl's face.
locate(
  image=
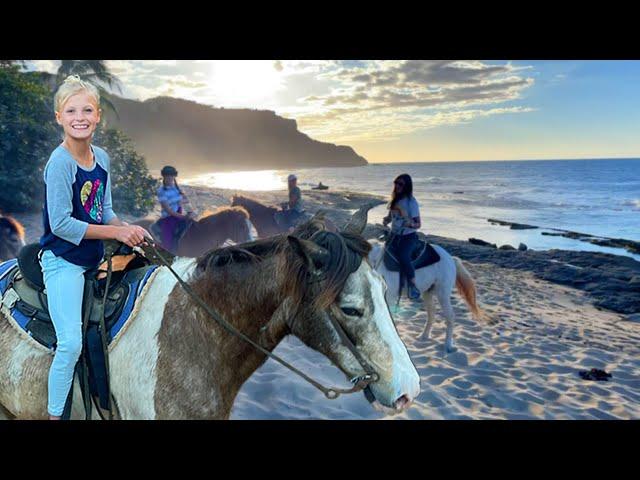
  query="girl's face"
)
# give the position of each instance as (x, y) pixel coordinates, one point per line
(398, 186)
(79, 116)
(169, 180)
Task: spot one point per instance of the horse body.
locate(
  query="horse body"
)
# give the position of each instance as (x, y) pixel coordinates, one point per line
(437, 279)
(211, 230)
(172, 361)
(262, 216)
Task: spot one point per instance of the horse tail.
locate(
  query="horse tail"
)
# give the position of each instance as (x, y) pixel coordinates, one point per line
(467, 289)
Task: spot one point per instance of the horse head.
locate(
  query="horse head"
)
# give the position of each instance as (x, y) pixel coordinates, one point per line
(346, 291)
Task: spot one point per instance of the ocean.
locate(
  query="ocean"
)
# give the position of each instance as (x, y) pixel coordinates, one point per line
(598, 197)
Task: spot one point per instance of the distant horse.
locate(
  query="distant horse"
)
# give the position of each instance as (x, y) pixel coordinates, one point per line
(263, 216)
(172, 361)
(210, 231)
(11, 237)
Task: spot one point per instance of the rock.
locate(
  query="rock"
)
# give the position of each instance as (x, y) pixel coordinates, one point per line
(458, 192)
(511, 225)
(482, 243)
(522, 247)
(634, 318)
(506, 247)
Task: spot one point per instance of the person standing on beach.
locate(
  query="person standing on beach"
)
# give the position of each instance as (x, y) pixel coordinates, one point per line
(77, 216)
(172, 222)
(404, 215)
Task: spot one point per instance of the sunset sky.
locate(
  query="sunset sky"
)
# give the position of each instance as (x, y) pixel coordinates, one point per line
(419, 110)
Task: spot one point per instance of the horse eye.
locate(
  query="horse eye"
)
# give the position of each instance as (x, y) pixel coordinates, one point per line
(351, 312)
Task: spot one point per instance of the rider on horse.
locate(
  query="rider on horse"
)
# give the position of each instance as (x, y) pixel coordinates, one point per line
(292, 210)
(173, 223)
(77, 216)
(404, 215)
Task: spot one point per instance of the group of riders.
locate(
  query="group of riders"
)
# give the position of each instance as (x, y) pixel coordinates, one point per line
(78, 215)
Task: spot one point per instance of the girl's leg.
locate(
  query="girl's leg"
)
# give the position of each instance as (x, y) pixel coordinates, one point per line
(64, 282)
(406, 248)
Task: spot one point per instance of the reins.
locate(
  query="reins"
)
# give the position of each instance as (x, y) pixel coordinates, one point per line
(360, 382)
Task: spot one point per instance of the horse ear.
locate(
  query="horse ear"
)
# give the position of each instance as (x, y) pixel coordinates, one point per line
(313, 256)
(358, 221)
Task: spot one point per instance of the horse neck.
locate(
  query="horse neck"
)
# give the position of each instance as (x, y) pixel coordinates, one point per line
(261, 217)
(205, 363)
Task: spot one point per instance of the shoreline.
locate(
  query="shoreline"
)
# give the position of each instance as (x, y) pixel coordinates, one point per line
(610, 281)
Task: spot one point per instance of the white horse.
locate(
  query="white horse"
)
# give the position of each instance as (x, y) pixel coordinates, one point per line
(437, 279)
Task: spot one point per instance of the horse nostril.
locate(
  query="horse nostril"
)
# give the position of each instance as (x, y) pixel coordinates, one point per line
(403, 402)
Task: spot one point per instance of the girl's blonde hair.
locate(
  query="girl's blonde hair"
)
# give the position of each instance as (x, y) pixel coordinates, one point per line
(72, 85)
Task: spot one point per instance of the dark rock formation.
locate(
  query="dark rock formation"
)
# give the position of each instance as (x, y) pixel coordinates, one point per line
(482, 243)
(506, 247)
(511, 225)
(522, 247)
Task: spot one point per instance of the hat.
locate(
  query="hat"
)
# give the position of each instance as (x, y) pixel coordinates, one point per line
(169, 170)
(291, 177)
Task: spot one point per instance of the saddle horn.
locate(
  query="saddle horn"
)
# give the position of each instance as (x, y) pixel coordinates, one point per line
(358, 221)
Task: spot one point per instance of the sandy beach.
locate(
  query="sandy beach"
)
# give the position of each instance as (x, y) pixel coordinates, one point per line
(523, 367)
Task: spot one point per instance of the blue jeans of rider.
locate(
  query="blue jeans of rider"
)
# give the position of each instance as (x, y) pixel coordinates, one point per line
(403, 247)
(64, 282)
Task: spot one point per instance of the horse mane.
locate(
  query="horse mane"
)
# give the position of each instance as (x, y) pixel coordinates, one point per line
(346, 252)
(13, 224)
(225, 211)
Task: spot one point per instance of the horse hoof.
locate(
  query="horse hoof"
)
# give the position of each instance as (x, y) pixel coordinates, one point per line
(424, 337)
(451, 349)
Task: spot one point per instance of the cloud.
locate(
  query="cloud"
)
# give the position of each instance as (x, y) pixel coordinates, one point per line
(391, 98)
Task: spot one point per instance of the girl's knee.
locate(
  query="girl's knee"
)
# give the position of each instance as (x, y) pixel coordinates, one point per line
(70, 348)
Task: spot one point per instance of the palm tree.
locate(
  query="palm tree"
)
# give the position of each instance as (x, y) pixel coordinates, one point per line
(94, 71)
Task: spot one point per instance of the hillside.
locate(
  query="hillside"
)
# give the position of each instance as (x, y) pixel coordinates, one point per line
(198, 138)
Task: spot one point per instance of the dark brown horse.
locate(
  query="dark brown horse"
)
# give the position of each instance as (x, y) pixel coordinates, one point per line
(11, 237)
(262, 216)
(211, 230)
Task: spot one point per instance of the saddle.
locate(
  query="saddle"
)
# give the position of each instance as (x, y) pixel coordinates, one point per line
(422, 255)
(23, 297)
(25, 294)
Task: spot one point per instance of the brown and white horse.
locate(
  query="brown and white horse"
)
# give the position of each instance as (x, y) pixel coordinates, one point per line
(211, 230)
(172, 361)
(11, 237)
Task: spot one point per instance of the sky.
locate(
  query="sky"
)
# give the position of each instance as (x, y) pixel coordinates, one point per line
(418, 110)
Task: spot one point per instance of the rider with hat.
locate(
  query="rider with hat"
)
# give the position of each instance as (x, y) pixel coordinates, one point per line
(173, 222)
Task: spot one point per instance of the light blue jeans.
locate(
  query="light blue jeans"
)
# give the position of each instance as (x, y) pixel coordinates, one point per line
(64, 282)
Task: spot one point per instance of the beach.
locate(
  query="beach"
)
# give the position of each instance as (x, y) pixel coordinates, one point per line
(556, 313)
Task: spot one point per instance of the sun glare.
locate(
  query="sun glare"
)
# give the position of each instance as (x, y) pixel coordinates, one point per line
(262, 180)
(241, 83)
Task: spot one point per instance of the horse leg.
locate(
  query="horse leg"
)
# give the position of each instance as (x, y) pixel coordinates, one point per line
(427, 297)
(445, 302)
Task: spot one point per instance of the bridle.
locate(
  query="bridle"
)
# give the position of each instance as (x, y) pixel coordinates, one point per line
(359, 382)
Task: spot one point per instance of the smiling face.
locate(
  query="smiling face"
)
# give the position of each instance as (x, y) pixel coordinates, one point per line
(79, 116)
(364, 315)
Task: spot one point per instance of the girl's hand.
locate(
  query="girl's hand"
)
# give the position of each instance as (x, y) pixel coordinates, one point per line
(131, 235)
